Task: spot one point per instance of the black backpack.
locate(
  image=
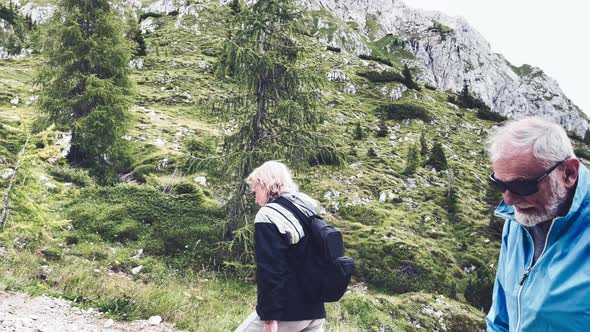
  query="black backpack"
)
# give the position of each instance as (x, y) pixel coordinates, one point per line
(325, 272)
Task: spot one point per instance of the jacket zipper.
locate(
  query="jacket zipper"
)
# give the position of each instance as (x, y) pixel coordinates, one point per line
(528, 270)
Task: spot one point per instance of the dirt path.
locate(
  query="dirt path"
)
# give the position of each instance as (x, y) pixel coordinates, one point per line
(22, 313)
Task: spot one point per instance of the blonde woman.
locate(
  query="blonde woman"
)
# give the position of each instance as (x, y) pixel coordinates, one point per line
(280, 244)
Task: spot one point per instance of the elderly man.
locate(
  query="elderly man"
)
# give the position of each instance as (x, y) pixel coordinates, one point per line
(543, 277)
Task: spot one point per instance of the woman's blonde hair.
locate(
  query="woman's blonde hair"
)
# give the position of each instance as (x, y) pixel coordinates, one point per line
(273, 177)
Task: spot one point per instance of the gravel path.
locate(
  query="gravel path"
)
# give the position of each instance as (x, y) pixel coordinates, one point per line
(21, 313)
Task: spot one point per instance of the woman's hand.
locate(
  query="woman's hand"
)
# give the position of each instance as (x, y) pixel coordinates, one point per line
(270, 326)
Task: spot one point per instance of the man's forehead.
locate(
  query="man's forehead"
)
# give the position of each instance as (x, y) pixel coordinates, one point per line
(517, 164)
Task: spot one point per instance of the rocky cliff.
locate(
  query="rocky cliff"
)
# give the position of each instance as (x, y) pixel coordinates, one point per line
(450, 53)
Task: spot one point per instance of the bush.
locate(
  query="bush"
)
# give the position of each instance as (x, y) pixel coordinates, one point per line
(67, 173)
(200, 147)
(333, 49)
(383, 76)
(326, 156)
(402, 111)
(362, 214)
(376, 58)
(478, 291)
(140, 172)
(486, 114)
(186, 188)
(52, 254)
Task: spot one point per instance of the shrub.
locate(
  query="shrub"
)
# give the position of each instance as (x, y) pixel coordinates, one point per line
(52, 254)
(383, 76)
(486, 114)
(186, 188)
(200, 147)
(376, 58)
(478, 291)
(67, 173)
(333, 49)
(371, 153)
(140, 172)
(326, 156)
(402, 111)
(362, 214)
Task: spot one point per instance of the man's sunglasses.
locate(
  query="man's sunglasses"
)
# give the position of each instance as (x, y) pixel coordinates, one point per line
(523, 187)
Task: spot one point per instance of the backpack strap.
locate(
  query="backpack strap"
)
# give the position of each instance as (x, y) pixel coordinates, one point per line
(303, 219)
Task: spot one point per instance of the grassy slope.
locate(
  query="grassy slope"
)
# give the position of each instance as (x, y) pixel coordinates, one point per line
(407, 248)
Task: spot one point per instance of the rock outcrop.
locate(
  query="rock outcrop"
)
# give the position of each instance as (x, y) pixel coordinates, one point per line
(450, 53)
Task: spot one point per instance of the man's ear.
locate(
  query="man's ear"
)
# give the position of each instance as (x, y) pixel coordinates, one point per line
(572, 167)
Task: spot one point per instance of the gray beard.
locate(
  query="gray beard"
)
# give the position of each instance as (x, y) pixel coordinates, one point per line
(556, 201)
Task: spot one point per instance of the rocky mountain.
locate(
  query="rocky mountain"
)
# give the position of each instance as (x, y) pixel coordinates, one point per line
(450, 53)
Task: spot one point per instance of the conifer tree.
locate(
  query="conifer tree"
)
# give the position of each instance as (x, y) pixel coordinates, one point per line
(358, 132)
(84, 82)
(409, 79)
(235, 6)
(275, 109)
(412, 160)
(382, 132)
(423, 146)
(437, 159)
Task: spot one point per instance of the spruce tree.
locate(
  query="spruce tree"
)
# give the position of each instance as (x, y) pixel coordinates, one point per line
(275, 109)
(412, 160)
(358, 132)
(382, 132)
(423, 146)
(437, 159)
(84, 81)
(235, 6)
(409, 79)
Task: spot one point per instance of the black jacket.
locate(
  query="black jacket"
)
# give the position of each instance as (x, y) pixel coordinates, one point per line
(280, 247)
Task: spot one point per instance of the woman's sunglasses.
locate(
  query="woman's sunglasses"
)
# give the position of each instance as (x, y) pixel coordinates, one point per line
(523, 187)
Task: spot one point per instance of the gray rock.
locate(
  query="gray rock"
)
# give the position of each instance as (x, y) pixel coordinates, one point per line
(136, 269)
(6, 173)
(108, 324)
(155, 320)
(45, 181)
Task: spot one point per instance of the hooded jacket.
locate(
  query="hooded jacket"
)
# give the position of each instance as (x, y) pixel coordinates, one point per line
(554, 293)
(280, 246)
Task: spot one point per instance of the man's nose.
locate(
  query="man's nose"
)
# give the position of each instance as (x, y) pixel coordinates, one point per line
(511, 198)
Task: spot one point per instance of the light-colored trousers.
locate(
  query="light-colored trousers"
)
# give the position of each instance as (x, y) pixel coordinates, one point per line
(254, 324)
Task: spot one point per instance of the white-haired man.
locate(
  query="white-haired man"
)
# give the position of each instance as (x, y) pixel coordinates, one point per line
(543, 276)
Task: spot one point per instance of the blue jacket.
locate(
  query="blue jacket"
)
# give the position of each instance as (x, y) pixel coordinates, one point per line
(555, 294)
